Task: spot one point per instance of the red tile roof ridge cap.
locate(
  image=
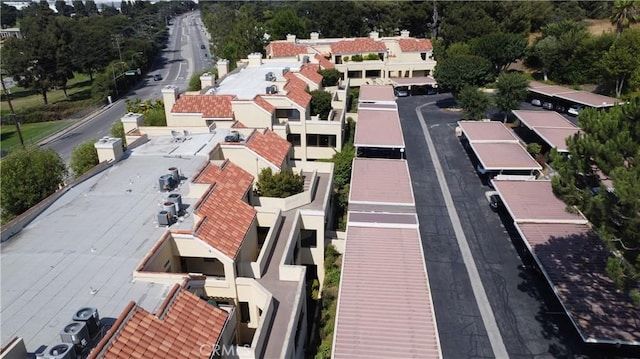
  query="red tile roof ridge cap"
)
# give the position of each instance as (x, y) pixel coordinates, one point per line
(250, 137)
(200, 171)
(166, 303)
(206, 195)
(153, 249)
(127, 313)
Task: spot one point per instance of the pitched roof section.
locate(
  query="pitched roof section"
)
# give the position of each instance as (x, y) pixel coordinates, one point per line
(226, 218)
(310, 71)
(285, 49)
(414, 45)
(300, 97)
(357, 46)
(324, 63)
(270, 146)
(178, 332)
(294, 82)
(264, 104)
(210, 106)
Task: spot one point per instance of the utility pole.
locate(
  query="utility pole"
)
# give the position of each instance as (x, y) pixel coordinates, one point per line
(116, 41)
(13, 113)
(434, 29)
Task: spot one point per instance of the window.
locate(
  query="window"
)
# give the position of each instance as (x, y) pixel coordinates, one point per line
(294, 139)
(244, 312)
(308, 238)
(316, 140)
(423, 55)
(288, 113)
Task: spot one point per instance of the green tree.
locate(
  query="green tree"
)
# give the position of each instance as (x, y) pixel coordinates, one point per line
(625, 13)
(63, 8)
(279, 185)
(458, 49)
(330, 77)
(79, 8)
(91, 7)
(320, 103)
(286, 22)
(455, 73)
(194, 82)
(8, 15)
(473, 102)
(83, 158)
(547, 51)
(28, 176)
(621, 62)
(117, 130)
(512, 89)
(342, 162)
(500, 49)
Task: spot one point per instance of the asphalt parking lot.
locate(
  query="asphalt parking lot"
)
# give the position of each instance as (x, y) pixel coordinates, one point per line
(531, 321)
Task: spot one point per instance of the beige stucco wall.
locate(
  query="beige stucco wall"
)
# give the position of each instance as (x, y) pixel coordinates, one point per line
(185, 120)
(242, 157)
(251, 115)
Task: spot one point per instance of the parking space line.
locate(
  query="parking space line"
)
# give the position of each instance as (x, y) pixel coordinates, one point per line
(488, 318)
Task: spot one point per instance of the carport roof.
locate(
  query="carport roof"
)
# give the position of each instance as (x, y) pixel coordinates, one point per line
(573, 259)
(376, 93)
(504, 156)
(378, 129)
(481, 131)
(381, 181)
(534, 202)
(556, 137)
(543, 119)
(408, 81)
(382, 266)
(582, 97)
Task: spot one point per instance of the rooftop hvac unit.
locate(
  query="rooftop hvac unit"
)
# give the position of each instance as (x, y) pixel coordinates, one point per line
(76, 333)
(166, 182)
(90, 316)
(269, 90)
(170, 208)
(177, 199)
(60, 351)
(164, 218)
(305, 59)
(285, 70)
(270, 76)
(274, 88)
(175, 174)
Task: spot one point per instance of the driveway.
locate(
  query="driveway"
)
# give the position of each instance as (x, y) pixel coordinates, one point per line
(530, 321)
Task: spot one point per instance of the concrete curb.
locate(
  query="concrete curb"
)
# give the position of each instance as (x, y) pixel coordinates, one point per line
(74, 125)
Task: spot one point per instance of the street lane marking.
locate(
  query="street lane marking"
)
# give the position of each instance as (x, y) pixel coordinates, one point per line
(488, 318)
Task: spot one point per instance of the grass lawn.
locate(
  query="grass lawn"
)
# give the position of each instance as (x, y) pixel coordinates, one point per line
(78, 88)
(31, 132)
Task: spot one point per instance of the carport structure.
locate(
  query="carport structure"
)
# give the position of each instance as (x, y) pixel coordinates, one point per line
(409, 82)
(572, 96)
(497, 148)
(550, 126)
(573, 260)
(378, 132)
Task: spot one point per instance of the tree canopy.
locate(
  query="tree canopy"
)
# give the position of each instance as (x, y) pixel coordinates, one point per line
(455, 73)
(473, 102)
(500, 49)
(512, 90)
(28, 176)
(280, 185)
(83, 158)
(320, 103)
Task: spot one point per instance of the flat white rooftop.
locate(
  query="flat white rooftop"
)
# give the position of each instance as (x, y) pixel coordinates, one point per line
(250, 81)
(82, 250)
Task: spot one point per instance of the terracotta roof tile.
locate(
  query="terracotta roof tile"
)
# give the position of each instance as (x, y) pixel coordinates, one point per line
(300, 97)
(260, 101)
(270, 146)
(176, 333)
(409, 45)
(310, 71)
(358, 46)
(294, 81)
(285, 49)
(324, 63)
(226, 218)
(210, 106)
(238, 124)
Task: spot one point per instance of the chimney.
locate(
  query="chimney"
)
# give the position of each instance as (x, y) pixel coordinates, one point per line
(169, 96)
(314, 35)
(206, 80)
(255, 59)
(291, 38)
(223, 67)
(131, 121)
(374, 35)
(404, 34)
(109, 149)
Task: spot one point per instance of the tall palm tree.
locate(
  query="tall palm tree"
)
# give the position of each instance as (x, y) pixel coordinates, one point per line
(625, 13)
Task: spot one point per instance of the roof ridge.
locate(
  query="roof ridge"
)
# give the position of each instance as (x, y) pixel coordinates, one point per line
(123, 318)
(167, 302)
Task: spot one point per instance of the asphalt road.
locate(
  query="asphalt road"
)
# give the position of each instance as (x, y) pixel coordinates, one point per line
(530, 320)
(181, 58)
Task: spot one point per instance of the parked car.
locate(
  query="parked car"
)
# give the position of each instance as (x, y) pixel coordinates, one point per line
(234, 136)
(561, 108)
(495, 202)
(432, 91)
(547, 105)
(402, 91)
(157, 77)
(202, 47)
(536, 102)
(574, 110)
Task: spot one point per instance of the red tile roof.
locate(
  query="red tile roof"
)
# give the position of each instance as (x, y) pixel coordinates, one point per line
(300, 97)
(358, 46)
(238, 124)
(226, 218)
(285, 49)
(211, 106)
(294, 81)
(409, 45)
(310, 71)
(176, 332)
(260, 101)
(324, 63)
(270, 146)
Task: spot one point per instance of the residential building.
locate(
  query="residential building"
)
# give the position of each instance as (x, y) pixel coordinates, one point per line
(370, 60)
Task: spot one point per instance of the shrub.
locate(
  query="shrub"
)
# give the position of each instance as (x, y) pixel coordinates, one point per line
(345, 59)
(330, 77)
(356, 58)
(320, 103)
(534, 149)
(279, 185)
(372, 57)
(83, 158)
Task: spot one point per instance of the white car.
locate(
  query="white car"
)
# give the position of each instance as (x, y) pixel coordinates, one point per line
(574, 110)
